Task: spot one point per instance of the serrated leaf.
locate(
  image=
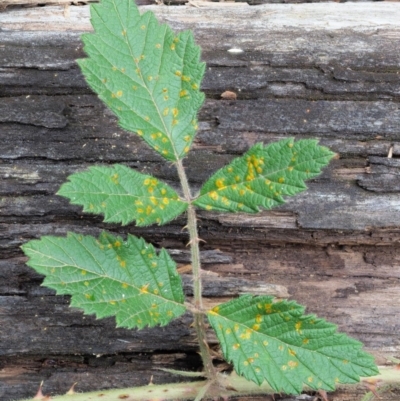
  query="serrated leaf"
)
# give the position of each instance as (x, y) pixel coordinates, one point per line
(263, 175)
(276, 342)
(149, 77)
(111, 277)
(123, 195)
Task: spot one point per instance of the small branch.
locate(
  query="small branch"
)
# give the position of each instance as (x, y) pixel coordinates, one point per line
(224, 386)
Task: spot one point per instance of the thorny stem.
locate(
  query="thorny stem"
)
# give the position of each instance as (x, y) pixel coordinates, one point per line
(199, 322)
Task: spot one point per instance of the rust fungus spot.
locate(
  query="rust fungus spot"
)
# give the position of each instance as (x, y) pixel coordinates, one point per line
(123, 396)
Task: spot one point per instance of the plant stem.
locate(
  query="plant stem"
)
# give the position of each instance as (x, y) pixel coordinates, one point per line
(199, 322)
(232, 386)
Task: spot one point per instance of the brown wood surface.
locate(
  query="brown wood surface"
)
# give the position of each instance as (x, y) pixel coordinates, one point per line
(328, 71)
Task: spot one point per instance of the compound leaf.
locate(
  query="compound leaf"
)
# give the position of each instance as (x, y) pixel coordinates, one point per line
(276, 342)
(123, 195)
(111, 277)
(263, 175)
(149, 77)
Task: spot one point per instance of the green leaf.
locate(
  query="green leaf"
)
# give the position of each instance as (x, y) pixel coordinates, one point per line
(123, 195)
(111, 277)
(149, 77)
(276, 342)
(263, 175)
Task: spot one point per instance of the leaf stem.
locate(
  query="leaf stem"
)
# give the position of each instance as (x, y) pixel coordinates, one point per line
(199, 322)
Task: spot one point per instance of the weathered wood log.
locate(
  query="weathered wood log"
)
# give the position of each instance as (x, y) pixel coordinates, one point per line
(330, 71)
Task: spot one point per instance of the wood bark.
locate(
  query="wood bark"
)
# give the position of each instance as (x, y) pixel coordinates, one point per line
(329, 71)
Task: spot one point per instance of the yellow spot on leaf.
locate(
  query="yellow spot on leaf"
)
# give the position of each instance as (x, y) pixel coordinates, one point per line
(147, 118)
(178, 73)
(281, 180)
(220, 183)
(166, 111)
(112, 302)
(143, 27)
(144, 289)
(245, 363)
(124, 285)
(183, 93)
(256, 327)
(83, 272)
(122, 263)
(228, 331)
(297, 326)
(185, 78)
(175, 112)
(229, 169)
(149, 78)
(117, 244)
(246, 335)
(119, 93)
(291, 352)
(165, 201)
(172, 47)
(86, 283)
(259, 317)
(140, 132)
(310, 379)
(290, 145)
(236, 346)
(195, 86)
(213, 195)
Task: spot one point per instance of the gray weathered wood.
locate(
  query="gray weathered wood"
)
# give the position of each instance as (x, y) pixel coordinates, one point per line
(330, 71)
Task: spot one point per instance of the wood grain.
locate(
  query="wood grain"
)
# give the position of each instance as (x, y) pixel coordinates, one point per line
(330, 71)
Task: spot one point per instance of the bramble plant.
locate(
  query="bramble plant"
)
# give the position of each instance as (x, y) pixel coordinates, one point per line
(151, 78)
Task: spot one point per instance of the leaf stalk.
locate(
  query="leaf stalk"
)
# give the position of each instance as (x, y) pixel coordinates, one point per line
(199, 322)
